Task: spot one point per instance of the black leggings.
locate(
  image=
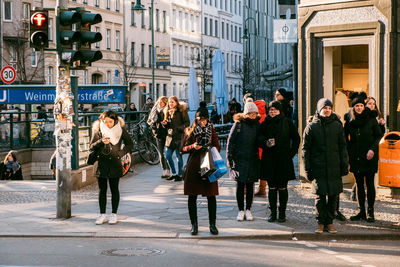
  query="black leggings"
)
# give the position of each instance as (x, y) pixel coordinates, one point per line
(212, 209)
(103, 193)
(240, 195)
(370, 182)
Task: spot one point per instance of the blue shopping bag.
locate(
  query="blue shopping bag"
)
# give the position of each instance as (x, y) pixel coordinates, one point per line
(220, 166)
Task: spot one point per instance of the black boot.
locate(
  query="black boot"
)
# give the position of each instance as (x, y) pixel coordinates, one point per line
(283, 198)
(272, 198)
(360, 216)
(338, 215)
(195, 229)
(371, 217)
(213, 228)
(192, 205)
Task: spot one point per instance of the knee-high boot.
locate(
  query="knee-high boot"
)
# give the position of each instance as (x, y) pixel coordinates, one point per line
(272, 198)
(283, 199)
(193, 215)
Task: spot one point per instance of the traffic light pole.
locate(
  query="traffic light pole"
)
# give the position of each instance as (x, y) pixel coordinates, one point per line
(63, 131)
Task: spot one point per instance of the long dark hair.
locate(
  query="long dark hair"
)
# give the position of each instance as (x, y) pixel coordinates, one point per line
(13, 154)
(376, 107)
(109, 114)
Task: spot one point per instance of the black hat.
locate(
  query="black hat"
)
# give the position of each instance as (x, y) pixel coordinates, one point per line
(357, 98)
(323, 102)
(203, 104)
(283, 92)
(275, 104)
(202, 113)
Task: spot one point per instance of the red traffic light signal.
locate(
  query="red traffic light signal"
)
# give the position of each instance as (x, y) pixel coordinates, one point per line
(39, 30)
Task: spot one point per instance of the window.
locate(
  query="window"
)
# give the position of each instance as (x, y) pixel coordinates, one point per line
(174, 55)
(227, 31)
(96, 3)
(215, 3)
(117, 5)
(117, 40)
(192, 22)
(231, 62)
(240, 34)
(198, 24)
(7, 11)
(227, 62)
(205, 26)
(216, 28)
(236, 32)
(186, 56)
(164, 13)
(133, 59)
(13, 53)
(211, 27)
(85, 2)
(221, 3)
(226, 5)
(240, 8)
(142, 55)
(180, 21)
(205, 2)
(157, 20)
(232, 36)
(236, 63)
(50, 30)
(108, 77)
(133, 23)
(97, 43)
(230, 6)
(33, 58)
(50, 71)
(150, 54)
(143, 24)
(174, 18)
(180, 55)
(157, 90)
(108, 39)
(186, 22)
(174, 89)
(150, 19)
(26, 10)
(108, 4)
(73, 72)
(85, 77)
(222, 30)
(235, 6)
(240, 61)
(192, 56)
(164, 89)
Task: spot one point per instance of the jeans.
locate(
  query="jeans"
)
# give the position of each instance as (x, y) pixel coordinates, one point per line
(161, 146)
(326, 206)
(168, 155)
(102, 182)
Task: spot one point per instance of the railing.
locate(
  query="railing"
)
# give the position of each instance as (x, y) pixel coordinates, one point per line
(223, 131)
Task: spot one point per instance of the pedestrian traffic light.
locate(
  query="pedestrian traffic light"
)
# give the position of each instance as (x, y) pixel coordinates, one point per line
(39, 29)
(66, 36)
(88, 37)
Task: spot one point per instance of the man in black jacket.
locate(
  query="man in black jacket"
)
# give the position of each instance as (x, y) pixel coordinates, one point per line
(325, 161)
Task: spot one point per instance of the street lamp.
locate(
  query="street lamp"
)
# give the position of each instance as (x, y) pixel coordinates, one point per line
(246, 38)
(139, 8)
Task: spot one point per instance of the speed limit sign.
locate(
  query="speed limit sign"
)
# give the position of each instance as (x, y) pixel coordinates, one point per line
(8, 74)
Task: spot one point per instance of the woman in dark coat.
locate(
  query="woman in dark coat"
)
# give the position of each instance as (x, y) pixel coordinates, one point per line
(242, 155)
(325, 161)
(281, 95)
(10, 168)
(176, 119)
(362, 135)
(198, 138)
(131, 117)
(155, 119)
(108, 134)
(280, 141)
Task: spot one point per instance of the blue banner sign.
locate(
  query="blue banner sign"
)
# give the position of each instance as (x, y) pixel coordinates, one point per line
(46, 94)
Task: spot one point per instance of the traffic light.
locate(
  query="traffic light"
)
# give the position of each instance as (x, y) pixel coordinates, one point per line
(79, 56)
(88, 37)
(39, 29)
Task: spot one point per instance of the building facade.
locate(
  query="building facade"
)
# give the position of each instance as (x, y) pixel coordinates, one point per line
(347, 46)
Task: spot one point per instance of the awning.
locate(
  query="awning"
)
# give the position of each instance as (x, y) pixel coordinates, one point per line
(279, 73)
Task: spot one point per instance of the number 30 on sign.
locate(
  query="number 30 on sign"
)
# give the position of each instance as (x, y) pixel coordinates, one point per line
(8, 74)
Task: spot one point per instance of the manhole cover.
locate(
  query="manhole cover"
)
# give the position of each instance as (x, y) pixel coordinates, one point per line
(129, 252)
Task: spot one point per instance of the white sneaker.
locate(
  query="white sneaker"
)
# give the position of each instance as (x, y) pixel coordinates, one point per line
(113, 219)
(249, 216)
(240, 216)
(102, 219)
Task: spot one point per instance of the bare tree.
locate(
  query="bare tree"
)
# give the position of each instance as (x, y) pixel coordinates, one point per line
(127, 65)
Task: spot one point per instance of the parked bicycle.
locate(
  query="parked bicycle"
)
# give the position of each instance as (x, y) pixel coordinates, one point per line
(42, 133)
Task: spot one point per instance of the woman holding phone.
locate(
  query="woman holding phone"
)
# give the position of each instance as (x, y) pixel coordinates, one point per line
(108, 134)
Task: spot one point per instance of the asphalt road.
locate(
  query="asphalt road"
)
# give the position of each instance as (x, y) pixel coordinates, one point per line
(184, 252)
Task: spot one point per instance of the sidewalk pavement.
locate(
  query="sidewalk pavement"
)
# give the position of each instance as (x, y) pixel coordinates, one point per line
(152, 207)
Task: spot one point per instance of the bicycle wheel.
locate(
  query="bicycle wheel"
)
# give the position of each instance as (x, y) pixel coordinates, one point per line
(149, 152)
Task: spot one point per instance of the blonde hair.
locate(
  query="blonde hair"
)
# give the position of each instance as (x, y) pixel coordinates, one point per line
(162, 99)
(166, 110)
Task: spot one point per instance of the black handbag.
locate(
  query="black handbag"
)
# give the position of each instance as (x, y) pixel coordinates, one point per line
(92, 158)
(207, 165)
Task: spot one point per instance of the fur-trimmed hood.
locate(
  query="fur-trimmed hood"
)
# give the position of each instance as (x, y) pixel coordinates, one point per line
(96, 124)
(239, 117)
(183, 106)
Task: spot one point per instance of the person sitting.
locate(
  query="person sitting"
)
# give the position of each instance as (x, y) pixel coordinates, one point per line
(10, 168)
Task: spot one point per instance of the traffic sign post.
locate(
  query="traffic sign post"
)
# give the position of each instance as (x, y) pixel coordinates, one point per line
(8, 74)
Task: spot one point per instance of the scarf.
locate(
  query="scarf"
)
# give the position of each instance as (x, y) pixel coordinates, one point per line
(12, 166)
(153, 115)
(114, 133)
(202, 135)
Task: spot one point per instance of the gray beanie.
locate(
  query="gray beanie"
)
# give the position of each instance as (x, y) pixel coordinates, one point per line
(250, 107)
(323, 102)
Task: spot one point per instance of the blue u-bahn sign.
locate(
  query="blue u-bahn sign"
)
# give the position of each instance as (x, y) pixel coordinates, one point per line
(46, 94)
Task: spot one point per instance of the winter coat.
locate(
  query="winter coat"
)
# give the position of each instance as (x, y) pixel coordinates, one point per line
(287, 108)
(176, 126)
(109, 156)
(277, 164)
(8, 174)
(193, 183)
(324, 154)
(362, 133)
(242, 149)
(159, 131)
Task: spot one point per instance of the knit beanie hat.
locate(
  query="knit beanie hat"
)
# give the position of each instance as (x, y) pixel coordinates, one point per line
(283, 92)
(247, 96)
(250, 107)
(323, 102)
(275, 104)
(202, 113)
